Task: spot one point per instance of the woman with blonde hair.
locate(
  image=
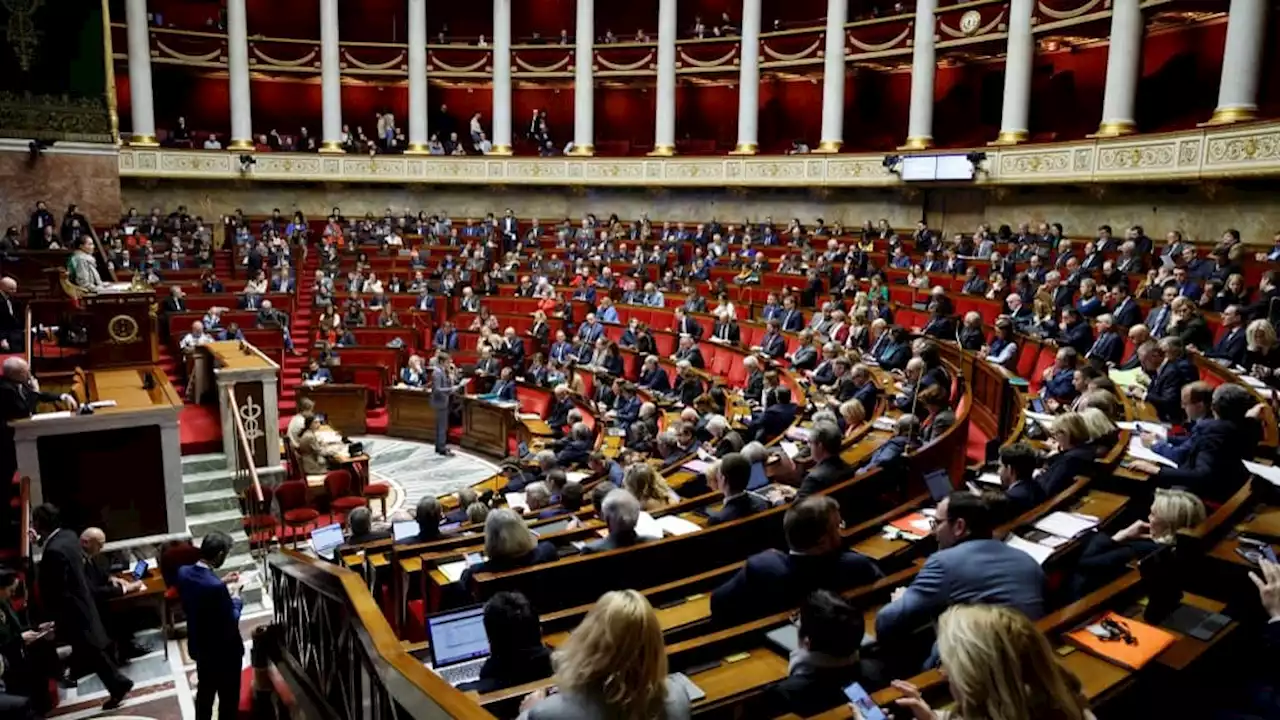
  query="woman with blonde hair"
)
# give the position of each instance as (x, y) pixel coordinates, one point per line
(508, 544)
(613, 666)
(1075, 454)
(648, 487)
(854, 415)
(999, 666)
(1102, 432)
(1107, 557)
(1189, 325)
(1262, 356)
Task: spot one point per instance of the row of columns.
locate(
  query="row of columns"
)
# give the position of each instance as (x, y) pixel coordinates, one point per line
(1237, 94)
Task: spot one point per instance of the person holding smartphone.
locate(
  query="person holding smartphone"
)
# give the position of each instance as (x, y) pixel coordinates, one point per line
(826, 661)
(29, 657)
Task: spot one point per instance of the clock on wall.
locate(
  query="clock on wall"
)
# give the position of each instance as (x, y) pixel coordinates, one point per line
(123, 329)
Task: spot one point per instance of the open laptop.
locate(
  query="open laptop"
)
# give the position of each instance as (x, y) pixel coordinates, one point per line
(324, 540)
(459, 644)
(404, 529)
(939, 484)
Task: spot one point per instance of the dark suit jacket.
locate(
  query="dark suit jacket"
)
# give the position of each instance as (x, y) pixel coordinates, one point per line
(1231, 347)
(1165, 391)
(772, 581)
(735, 333)
(773, 421)
(1194, 331)
(65, 594)
(738, 506)
(656, 380)
(1024, 495)
(1061, 469)
(213, 616)
(1213, 468)
(1128, 314)
(541, 553)
(812, 691)
(867, 395)
(613, 543)
(1078, 336)
(517, 667)
(575, 452)
(694, 356)
(1108, 346)
(823, 475)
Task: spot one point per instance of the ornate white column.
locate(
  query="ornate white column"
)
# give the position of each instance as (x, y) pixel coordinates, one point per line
(584, 98)
(417, 77)
(664, 132)
(1124, 61)
(330, 78)
(238, 69)
(502, 77)
(141, 102)
(749, 80)
(833, 67)
(1019, 58)
(920, 121)
(1241, 62)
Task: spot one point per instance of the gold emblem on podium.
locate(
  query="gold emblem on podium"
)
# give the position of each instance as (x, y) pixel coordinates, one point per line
(123, 329)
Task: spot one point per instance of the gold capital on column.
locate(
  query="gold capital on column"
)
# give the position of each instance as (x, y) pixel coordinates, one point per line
(240, 144)
(503, 150)
(144, 141)
(417, 149)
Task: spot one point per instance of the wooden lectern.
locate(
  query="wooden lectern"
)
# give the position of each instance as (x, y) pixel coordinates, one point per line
(122, 328)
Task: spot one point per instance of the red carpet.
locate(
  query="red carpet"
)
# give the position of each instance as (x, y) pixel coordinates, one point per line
(200, 428)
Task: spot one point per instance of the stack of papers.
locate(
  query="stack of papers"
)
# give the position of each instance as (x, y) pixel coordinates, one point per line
(1042, 418)
(452, 570)
(1129, 377)
(516, 500)
(1066, 525)
(57, 414)
(647, 527)
(696, 466)
(576, 476)
(1156, 429)
(790, 448)
(676, 525)
(1035, 550)
(1138, 451)
(885, 423)
(1267, 472)
(989, 478)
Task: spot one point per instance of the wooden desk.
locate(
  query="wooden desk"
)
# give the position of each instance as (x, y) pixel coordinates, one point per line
(153, 594)
(731, 680)
(486, 426)
(342, 404)
(140, 433)
(410, 415)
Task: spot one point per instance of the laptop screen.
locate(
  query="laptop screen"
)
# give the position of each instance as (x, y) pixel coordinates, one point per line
(457, 636)
(405, 529)
(939, 484)
(758, 478)
(326, 538)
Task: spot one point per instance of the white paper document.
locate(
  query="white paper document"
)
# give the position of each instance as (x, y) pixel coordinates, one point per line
(1035, 550)
(647, 527)
(790, 448)
(1267, 472)
(1042, 418)
(56, 415)
(1138, 451)
(1156, 429)
(1065, 524)
(452, 570)
(516, 500)
(989, 478)
(677, 525)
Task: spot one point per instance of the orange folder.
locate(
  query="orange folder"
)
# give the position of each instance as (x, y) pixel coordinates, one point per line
(915, 524)
(1151, 641)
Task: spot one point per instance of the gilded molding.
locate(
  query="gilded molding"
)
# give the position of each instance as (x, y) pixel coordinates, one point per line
(1206, 153)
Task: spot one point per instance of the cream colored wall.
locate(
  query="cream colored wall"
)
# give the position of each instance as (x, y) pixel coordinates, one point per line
(1201, 212)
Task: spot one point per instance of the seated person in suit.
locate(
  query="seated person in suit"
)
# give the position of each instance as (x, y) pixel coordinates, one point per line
(1106, 557)
(935, 402)
(1213, 467)
(732, 475)
(1176, 370)
(778, 415)
(653, 377)
(688, 351)
(827, 661)
(1075, 456)
(508, 545)
(577, 450)
(892, 455)
(1231, 345)
(316, 374)
(970, 567)
(689, 387)
(1197, 398)
(428, 515)
(724, 440)
(561, 406)
(1109, 346)
(414, 374)
(1058, 387)
(1138, 336)
(504, 388)
(360, 528)
(538, 499)
(620, 512)
(828, 468)
(466, 497)
(773, 581)
(516, 652)
(1017, 470)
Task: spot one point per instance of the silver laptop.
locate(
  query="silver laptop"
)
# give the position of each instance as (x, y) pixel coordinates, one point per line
(459, 644)
(405, 529)
(324, 540)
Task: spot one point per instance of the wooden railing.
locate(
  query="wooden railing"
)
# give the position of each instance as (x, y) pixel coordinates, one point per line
(338, 643)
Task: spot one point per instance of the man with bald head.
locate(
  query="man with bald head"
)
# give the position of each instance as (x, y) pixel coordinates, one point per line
(13, 318)
(19, 396)
(105, 587)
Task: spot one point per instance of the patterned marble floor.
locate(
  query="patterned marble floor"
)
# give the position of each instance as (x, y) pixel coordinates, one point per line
(413, 469)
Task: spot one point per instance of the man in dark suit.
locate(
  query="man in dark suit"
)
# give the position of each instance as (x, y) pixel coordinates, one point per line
(13, 318)
(1165, 391)
(685, 325)
(1232, 345)
(64, 593)
(19, 397)
(620, 512)
(212, 606)
(865, 389)
(792, 318)
(777, 416)
(735, 475)
(1109, 346)
(828, 467)
(773, 581)
(689, 352)
(892, 454)
(106, 587)
(969, 567)
(1017, 465)
(727, 332)
(1125, 309)
(578, 449)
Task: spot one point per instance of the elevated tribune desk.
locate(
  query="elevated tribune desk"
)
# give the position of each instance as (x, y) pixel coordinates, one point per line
(410, 415)
(119, 468)
(247, 374)
(486, 425)
(122, 326)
